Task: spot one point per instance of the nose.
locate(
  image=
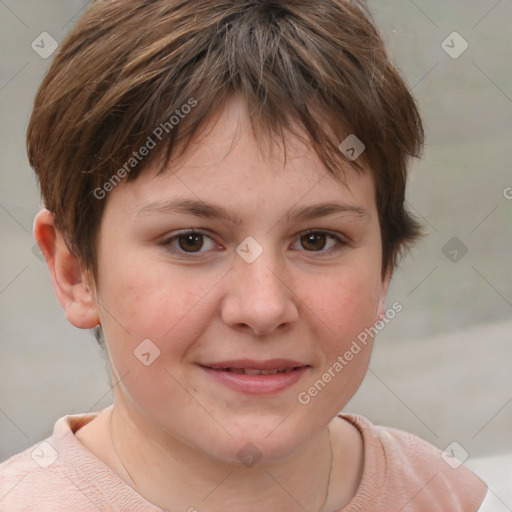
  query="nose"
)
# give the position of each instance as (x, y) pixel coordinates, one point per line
(260, 297)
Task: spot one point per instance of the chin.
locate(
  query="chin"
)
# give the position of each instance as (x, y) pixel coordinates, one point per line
(258, 440)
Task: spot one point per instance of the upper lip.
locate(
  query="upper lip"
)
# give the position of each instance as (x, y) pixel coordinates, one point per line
(269, 364)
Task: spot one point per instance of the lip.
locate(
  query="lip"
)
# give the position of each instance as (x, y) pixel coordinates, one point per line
(269, 364)
(256, 384)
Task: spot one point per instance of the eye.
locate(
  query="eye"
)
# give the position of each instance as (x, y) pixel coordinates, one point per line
(318, 241)
(189, 241)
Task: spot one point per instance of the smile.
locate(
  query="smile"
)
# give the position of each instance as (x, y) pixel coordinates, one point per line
(266, 377)
(255, 371)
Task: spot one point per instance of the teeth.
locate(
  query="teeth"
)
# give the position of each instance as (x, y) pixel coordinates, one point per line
(235, 370)
(253, 371)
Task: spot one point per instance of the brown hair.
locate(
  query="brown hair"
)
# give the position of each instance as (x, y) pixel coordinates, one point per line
(130, 66)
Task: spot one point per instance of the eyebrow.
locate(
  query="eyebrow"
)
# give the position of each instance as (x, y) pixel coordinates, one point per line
(209, 210)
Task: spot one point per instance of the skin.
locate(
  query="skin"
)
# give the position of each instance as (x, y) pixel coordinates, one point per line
(177, 430)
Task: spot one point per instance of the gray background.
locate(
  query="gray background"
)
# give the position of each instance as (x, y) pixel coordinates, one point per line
(441, 369)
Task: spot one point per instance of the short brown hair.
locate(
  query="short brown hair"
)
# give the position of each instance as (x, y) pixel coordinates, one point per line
(129, 66)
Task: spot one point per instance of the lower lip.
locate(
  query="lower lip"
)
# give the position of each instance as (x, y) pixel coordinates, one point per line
(257, 384)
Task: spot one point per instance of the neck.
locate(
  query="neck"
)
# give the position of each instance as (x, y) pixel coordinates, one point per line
(200, 483)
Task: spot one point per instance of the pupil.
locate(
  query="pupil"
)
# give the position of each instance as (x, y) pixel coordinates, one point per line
(191, 243)
(311, 241)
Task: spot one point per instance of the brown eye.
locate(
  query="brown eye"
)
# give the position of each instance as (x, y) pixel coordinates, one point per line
(322, 242)
(191, 242)
(314, 241)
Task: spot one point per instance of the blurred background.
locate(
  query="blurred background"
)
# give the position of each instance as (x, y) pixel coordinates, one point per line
(442, 368)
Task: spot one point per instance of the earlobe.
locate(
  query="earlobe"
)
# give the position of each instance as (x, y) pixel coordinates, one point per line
(70, 282)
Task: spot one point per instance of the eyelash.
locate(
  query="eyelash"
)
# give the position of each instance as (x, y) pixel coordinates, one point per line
(341, 243)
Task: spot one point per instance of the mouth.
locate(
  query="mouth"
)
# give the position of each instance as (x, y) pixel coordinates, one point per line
(255, 371)
(256, 377)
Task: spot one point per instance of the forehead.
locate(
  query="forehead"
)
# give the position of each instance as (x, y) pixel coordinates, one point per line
(228, 164)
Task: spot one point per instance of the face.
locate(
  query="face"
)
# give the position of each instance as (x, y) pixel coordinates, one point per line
(232, 262)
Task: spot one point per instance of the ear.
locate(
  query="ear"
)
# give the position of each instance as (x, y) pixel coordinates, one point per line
(70, 282)
(381, 305)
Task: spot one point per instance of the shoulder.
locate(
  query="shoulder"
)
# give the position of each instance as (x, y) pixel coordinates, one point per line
(35, 480)
(402, 471)
(60, 474)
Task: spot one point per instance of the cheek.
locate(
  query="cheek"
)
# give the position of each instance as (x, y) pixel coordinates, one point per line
(169, 308)
(150, 320)
(343, 308)
(345, 303)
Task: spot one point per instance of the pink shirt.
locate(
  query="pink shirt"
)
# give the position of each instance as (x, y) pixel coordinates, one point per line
(401, 472)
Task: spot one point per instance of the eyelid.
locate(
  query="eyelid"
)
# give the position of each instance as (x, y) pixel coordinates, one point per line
(333, 234)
